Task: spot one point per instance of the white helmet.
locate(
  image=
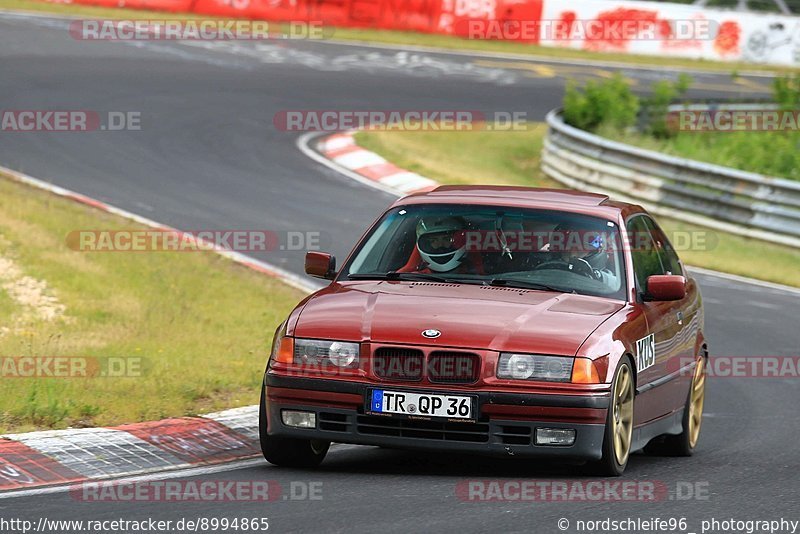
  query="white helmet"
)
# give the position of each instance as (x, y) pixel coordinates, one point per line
(441, 242)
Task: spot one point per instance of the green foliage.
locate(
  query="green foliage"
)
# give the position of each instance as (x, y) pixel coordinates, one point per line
(665, 92)
(767, 153)
(786, 91)
(609, 103)
(611, 106)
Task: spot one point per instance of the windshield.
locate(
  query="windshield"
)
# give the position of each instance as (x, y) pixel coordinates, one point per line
(490, 245)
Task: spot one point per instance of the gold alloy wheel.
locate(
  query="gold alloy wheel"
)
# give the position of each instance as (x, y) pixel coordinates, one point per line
(622, 417)
(698, 395)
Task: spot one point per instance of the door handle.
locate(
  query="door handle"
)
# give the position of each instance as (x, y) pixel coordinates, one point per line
(680, 317)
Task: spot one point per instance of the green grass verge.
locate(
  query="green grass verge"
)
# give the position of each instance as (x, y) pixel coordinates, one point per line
(200, 323)
(768, 153)
(7, 307)
(513, 158)
(419, 39)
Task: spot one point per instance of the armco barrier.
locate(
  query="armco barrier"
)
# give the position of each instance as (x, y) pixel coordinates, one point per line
(717, 197)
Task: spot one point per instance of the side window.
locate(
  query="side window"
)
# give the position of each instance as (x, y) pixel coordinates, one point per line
(669, 258)
(646, 260)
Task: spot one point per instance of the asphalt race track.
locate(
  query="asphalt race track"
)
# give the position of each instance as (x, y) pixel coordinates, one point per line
(209, 157)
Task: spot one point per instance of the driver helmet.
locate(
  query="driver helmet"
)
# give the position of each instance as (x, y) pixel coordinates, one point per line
(591, 247)
(599, 250)
(441, 242)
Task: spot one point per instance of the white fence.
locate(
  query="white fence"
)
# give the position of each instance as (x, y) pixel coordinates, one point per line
(675, 30)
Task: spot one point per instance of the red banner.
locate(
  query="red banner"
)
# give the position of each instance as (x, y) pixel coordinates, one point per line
(449, 17)
(174, 6)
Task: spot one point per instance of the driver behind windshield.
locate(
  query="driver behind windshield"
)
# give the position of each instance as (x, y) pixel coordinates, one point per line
(588, 258)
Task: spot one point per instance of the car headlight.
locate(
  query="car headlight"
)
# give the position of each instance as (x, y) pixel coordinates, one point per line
(318, 352)
(534, 367)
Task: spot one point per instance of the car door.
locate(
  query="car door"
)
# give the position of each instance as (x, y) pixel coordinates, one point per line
(654, 353)
(687, 311)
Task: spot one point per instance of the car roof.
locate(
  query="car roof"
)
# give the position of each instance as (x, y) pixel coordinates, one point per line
(524, 197)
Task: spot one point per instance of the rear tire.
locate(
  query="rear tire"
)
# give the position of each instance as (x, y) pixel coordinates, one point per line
(685, 443)
(288, 452)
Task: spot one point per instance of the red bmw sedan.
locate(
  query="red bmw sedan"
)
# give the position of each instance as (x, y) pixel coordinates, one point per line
(499, 320)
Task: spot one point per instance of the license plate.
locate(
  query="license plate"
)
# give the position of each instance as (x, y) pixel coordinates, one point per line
(421, 404)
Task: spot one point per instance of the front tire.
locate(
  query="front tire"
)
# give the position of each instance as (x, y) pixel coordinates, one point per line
(619, 423)
(288, 452)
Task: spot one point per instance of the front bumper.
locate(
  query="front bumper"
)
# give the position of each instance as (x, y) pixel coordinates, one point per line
(506, 423)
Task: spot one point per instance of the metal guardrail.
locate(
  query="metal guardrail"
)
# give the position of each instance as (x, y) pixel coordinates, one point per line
(717, 197)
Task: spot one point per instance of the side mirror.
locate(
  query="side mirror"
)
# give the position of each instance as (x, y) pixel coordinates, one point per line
(321, 265)
(665, 287)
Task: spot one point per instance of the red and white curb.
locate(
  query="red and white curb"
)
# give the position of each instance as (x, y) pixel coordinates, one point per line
(341, 152)
(57, 457)
(46, 458)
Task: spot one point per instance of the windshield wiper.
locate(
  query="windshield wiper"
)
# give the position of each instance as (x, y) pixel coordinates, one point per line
(414, 277)
(524, 284)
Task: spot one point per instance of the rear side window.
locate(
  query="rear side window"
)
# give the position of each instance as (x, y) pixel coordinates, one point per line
(669, 258)
(645, 255)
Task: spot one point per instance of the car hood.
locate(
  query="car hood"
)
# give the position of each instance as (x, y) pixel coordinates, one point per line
(468, 316)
